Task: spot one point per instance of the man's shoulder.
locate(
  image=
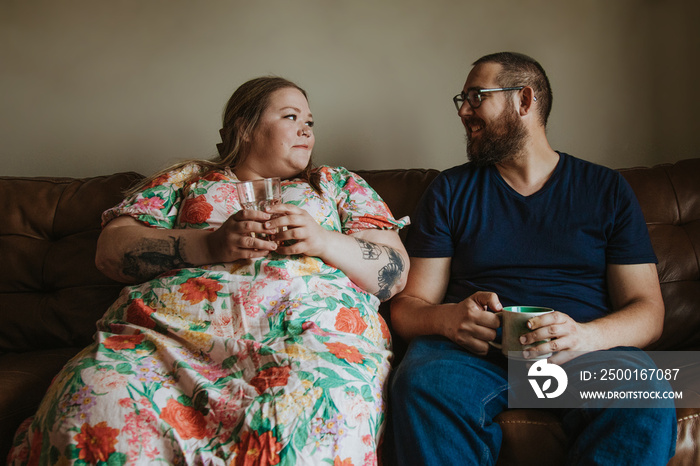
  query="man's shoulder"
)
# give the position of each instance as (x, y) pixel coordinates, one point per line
(587, 171)
(457, 180)
(580, 164)
(460, 173)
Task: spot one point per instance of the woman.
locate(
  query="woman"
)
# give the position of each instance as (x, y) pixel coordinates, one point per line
(247, 337)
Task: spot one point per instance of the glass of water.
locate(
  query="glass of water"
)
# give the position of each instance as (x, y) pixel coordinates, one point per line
(259, 194)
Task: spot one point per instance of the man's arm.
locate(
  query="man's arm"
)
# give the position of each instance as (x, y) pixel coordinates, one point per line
(638, 308)
(636, 320)
(418, 310)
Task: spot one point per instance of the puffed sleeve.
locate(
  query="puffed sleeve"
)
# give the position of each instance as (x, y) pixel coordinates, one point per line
(359, 206)
(158, 204)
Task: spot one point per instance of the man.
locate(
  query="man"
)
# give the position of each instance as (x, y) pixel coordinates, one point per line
(520, 224)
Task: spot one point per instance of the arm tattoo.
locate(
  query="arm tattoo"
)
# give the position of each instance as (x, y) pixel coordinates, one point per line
(370, 251)
(152, 257)
(389, 274)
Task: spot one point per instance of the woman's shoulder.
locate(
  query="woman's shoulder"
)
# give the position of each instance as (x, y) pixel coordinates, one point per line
(190, 172)
(331, 169)
(340, 182)
(335, 174)
(197, 169)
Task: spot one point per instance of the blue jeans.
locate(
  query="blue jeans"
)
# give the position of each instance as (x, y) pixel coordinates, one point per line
(444, 401)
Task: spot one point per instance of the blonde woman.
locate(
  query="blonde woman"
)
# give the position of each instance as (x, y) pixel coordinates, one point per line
(244, 337)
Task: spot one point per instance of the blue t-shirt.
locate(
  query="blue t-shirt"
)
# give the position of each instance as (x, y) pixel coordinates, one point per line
(548, 249)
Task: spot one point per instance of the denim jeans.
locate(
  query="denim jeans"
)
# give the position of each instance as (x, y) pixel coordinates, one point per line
(444, 401)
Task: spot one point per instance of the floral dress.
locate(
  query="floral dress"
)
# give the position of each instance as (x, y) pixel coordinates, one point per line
(275, 360)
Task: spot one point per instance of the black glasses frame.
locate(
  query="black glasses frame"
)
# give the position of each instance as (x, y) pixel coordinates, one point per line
(473, 96)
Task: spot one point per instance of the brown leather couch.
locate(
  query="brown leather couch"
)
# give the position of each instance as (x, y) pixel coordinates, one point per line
(51, 294)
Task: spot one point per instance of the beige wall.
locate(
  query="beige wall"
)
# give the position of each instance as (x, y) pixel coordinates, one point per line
(92, 87)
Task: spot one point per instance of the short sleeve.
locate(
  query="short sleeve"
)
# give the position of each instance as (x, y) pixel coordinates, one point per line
(430, 234)
(359, 206)
(629, 241)
(158, 204)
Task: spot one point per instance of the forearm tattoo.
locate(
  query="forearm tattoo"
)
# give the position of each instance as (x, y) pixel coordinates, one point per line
(370, 251)
(390, 274)
(152, 257)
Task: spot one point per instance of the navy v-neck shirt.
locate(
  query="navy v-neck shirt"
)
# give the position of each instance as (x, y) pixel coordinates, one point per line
(547, 249)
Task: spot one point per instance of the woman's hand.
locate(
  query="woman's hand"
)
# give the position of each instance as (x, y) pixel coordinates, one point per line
(242, 236)
(296, 231)
(374, 259)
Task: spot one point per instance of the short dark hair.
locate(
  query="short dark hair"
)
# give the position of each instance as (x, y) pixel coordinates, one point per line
(521, 70)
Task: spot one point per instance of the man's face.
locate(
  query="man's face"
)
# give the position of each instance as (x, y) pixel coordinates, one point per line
(498, 141)
(495, 132)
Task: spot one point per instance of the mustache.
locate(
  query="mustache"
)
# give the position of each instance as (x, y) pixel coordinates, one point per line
(474, 120)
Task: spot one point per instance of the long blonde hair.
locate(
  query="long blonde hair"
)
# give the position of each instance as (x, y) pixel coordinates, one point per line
(240, 120)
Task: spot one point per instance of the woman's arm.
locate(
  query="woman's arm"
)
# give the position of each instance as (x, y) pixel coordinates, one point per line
(131, 252)
(374, 259)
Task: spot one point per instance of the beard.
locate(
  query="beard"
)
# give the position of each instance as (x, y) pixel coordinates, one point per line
(500, 141)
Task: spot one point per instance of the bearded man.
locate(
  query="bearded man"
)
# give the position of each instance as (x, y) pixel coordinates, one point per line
(521, 224)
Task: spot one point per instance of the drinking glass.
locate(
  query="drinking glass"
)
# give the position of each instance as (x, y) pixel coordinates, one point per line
(259, 194)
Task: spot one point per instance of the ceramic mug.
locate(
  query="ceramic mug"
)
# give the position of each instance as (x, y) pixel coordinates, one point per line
(514, 323)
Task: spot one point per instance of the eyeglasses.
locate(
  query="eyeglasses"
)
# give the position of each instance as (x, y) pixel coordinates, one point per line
(473, 96)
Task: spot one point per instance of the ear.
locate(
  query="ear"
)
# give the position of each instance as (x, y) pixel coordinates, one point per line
(527, 100)
(245, 135)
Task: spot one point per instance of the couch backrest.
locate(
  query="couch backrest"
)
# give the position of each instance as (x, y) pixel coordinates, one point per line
(51, 293)
(669, 195)
(400, 189)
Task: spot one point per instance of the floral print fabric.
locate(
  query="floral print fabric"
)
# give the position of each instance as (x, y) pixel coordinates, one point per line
(277, 360)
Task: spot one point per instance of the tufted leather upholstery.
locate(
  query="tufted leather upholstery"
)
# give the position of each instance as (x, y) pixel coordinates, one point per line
(51, 294)
(48, 241)
(670, 199)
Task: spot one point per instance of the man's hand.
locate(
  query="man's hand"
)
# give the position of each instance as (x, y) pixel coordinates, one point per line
(636, 320)
(472, 324)
(563, 333)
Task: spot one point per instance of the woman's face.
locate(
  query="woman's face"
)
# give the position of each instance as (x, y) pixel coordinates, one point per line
(282, 142)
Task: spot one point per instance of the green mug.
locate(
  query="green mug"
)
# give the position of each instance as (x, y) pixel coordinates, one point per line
(514, 322)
